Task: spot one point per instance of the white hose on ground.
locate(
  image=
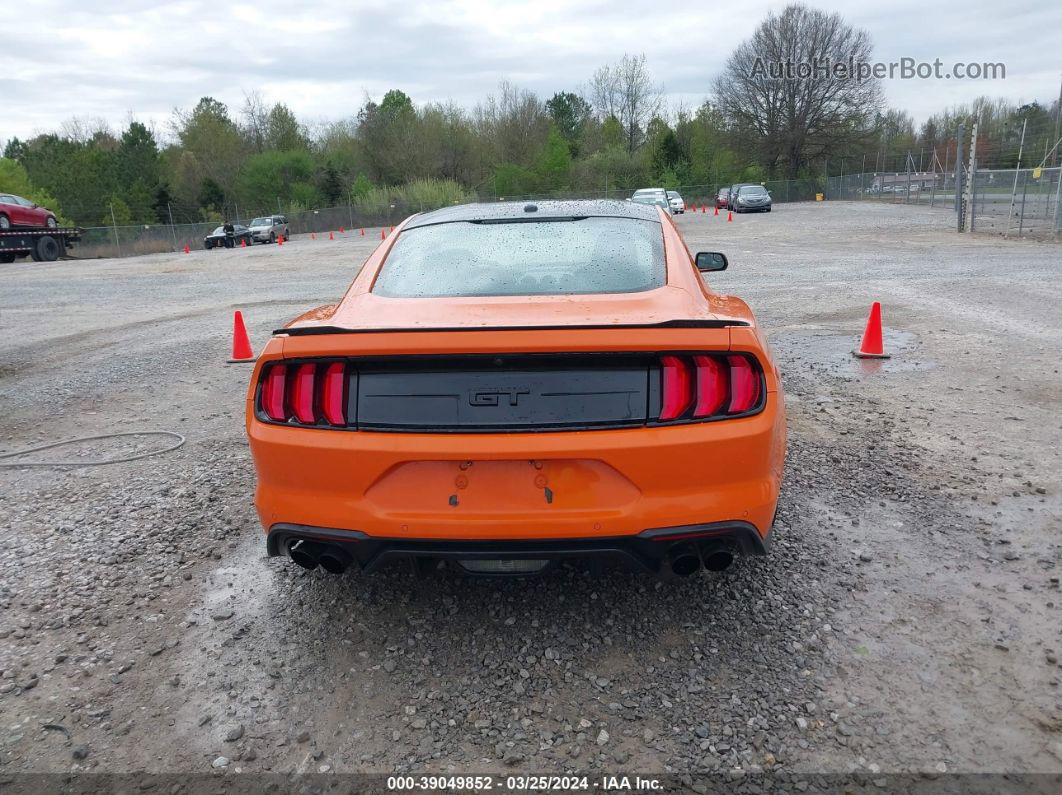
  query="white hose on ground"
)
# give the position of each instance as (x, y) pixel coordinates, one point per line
(28, 450)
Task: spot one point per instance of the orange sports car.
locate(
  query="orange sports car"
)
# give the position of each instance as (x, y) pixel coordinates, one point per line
(507, 385)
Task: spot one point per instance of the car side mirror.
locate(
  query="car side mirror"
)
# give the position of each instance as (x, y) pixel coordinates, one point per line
(710, 261)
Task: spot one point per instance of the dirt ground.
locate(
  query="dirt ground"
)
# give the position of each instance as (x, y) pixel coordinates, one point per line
(907, 619)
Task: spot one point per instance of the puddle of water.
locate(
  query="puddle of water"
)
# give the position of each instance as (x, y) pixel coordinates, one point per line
(824, 349)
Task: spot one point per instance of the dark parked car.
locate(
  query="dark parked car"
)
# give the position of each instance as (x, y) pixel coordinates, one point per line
(722, 199)
(751, 199)
(16, 211)
(220, 237)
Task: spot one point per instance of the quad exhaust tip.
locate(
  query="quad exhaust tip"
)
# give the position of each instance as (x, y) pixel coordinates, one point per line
(303, 553)
(334, 560)
(686, 559)
(683, 559)
(311, 554)
(717, 559)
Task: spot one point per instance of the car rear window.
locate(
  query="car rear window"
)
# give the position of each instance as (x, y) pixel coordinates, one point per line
(564, 257)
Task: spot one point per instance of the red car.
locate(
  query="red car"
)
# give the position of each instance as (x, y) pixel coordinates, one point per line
(722, 199)
(16, 211)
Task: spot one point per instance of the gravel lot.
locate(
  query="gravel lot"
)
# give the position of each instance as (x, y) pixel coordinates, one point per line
(907, 620)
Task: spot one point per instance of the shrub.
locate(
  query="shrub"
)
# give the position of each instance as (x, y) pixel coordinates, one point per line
(413, 197)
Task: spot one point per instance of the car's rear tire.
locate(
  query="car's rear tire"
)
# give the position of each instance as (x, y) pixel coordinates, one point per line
(208, 245)
(51, 223)
(272, 237)
(5, 222)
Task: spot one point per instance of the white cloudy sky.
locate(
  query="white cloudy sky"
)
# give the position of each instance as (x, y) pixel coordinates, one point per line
(101, 58)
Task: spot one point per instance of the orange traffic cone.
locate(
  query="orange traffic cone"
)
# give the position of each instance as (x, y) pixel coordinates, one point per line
(186, 248)
(280, 240)
(340, 230)
(330, 236)
(717, 209)
(392, 229)
(729, 216)
(872, 346)
(313, 235)
(704, 209)
(243, 242)
(241, 345)
(362, 232)
(382, 234)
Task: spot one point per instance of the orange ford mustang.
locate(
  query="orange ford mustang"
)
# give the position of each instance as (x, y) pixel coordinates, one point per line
(506, 385)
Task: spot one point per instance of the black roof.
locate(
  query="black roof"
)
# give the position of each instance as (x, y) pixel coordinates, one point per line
(519, 211)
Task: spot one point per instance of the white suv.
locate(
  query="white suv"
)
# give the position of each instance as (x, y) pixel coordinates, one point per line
(267, 228)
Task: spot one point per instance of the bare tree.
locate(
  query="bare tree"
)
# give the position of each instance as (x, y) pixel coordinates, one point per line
(84, 129)
(791, 86)
(513, 124)
(626, 92)
(255, 119)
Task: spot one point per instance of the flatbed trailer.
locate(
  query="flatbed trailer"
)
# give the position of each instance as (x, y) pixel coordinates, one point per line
(42, 243)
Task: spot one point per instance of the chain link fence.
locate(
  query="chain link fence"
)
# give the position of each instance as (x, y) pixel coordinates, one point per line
(1011, 202)
(132, 240)
(1027, 206)
(1017, 203)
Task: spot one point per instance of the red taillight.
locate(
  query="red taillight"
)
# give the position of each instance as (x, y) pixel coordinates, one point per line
(298, 392)
(332, 394)
(744, 385)
(715, 385)
(677, 391)
(302, 393)
(711, 386)
(273, 393)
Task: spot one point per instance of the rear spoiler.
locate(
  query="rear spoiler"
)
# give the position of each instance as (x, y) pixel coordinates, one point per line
(307, 331)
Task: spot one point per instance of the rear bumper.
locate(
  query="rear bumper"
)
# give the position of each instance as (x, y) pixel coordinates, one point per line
(521, 487)
(646, 552)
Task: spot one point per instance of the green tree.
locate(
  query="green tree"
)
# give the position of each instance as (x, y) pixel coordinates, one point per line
(138, 172)
(14, 149)
(283, 131)
(512, 179)
(387, 135)
(361, 186)
(569, 113)
(117, 212)
(215, 148)
(396, 104)
(272, 175)
(612, 132)
(211, 197)
(556, 162)
(329, 185)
